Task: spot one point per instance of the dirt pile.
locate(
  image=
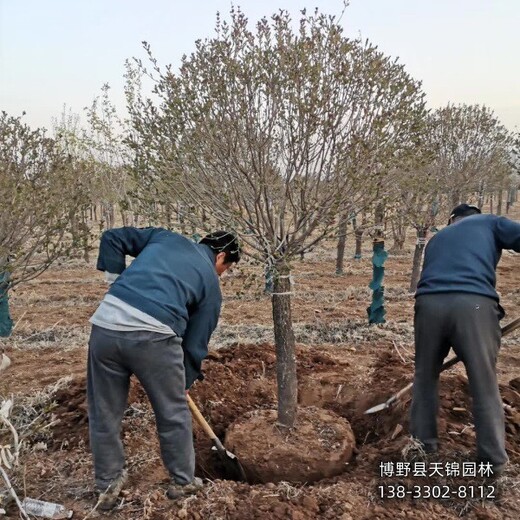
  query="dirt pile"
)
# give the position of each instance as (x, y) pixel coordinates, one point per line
(320, 446)
(241, 380)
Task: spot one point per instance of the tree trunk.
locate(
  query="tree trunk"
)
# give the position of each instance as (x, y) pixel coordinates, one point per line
(399, 235)
(491, 203)
(108, 215)
(193, 210)
(167, 212)
(285, 348)
(358, 233)
(85, 238)
(499, 203)
(342, 240)
(359, 243)
(455, 198)
(180, 216)
(417, 258)
(510, 199)
(480, 202)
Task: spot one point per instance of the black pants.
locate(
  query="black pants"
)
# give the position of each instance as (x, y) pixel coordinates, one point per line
(470, 325)
(157, 361)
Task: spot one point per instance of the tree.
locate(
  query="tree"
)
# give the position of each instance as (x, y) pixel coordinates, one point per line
(69, 139)
(41, 197)
(465, 153)
(260, 128)
(472, 147)
(109, 159)
(420, 205)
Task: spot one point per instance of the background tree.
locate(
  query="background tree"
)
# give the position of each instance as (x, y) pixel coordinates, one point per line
(69, 138)
(260, 129)
(464, 155)
(472, 147)
(41, 198)
(109, 160)
(419, 205)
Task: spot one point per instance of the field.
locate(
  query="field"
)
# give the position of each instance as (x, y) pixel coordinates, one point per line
(343, 365)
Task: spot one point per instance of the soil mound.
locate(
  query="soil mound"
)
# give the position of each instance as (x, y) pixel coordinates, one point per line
(319, 446)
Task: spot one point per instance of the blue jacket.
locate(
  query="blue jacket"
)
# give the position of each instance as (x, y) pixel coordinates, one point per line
(463, 257)
(172, 279)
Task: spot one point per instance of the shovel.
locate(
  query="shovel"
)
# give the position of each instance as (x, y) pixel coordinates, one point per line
(232, 468)
(510, 327)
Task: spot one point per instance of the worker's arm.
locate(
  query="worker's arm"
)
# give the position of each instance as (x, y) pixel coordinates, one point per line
(508, 233)
(117, 243)
(201, 324)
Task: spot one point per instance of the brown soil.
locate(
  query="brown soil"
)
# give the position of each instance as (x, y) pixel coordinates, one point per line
(319, 446)
(241, 380)
(343, 366)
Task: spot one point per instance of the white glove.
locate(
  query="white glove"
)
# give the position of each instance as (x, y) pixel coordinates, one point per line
(110, 278)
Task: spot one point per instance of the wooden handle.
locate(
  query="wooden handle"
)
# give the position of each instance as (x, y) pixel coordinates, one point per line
(408, 387)
(507, 329)
(200, 419)
(403, 391)
(510, 327)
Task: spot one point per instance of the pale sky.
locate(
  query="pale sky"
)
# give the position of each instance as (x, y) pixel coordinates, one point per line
(56, 52)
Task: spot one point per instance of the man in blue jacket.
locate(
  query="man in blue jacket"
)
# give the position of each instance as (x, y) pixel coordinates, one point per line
(457, 306)
(155, 322)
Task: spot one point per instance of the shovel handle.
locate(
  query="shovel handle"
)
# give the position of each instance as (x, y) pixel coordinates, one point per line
(448, 364)
(507, 329)
(200, 419)
(510, 327)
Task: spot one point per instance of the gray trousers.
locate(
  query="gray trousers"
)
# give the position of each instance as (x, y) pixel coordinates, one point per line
(470, 325)
(157, 360)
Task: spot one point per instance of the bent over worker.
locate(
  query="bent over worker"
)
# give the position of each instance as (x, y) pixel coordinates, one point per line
(457, 306)
(155, 322)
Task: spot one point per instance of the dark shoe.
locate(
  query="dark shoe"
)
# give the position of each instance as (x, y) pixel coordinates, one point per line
(176, 491)
(109, 497)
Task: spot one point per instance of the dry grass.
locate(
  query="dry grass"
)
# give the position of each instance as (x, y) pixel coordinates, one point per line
(66, 338)
(318, 333)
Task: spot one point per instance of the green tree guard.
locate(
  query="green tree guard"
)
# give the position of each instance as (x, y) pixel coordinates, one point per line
(376, 311)
(6, 323)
